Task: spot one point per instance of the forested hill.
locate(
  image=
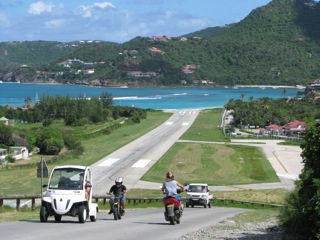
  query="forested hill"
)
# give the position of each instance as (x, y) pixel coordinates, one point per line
(277, 44)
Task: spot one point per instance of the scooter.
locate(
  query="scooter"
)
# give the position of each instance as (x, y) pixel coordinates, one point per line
(118, 212)
(173, 209)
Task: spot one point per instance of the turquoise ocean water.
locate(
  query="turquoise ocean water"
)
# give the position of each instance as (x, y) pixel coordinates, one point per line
(14, 94)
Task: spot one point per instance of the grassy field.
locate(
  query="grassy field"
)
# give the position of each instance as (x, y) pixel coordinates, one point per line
(206, 127)
(215, 164)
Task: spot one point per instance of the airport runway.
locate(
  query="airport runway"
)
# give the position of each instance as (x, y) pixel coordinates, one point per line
(132, 161)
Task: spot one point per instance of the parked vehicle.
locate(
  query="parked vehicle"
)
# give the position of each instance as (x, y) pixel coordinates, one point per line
(198, 194)
(117, 209)
(173, 209)
(69, 192)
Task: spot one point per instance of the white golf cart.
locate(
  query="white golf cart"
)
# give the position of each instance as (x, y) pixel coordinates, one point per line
(198, 194)
(69, 192)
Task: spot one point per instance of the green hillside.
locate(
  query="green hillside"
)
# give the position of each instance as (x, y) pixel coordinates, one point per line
(277, 44)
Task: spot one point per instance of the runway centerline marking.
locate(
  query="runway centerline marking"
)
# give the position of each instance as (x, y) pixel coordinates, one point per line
(108, 162)
(141, 163)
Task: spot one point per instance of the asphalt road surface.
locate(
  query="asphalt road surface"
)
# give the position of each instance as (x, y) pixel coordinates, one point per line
(136, 224)
(133, 160)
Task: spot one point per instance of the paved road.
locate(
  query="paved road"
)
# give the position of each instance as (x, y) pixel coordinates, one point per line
(136, 224)
(133, 160)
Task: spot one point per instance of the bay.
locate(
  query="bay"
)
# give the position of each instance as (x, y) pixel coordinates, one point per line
(14, 94)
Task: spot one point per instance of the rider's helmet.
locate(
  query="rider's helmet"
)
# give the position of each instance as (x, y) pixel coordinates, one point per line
(169, 175)
(118, 181)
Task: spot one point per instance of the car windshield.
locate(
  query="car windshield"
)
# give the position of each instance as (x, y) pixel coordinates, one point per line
(197, 189)
(67, 179)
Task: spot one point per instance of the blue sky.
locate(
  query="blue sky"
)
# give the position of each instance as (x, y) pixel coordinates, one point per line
(115, 20)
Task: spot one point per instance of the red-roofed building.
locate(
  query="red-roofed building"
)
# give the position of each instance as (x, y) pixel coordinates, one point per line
(274, 129)
(295, 127)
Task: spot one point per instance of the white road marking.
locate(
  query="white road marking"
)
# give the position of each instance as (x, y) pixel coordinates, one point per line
(168, 123)
(141, 163)
(185, 124)
(108, 162)
(289, 176)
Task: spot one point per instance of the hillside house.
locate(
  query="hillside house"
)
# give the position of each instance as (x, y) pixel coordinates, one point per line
(142, 74)
(184, 82)
(159, 38)
(155, 50)
(4, 121)
(88, 71)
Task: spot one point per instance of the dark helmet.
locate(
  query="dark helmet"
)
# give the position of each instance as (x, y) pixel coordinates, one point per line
(169, 175)
(118, 181)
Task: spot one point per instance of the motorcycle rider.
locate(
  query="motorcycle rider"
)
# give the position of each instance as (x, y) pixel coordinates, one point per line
(118, 189)
(170, 186)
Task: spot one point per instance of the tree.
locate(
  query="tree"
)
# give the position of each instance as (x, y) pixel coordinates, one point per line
(5, 135)
(301, 213)
(27, 102)
(107, 99)
(49, 141)
(284, 92)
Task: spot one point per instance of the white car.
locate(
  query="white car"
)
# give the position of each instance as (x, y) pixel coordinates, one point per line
(69, 192)
(198, 194)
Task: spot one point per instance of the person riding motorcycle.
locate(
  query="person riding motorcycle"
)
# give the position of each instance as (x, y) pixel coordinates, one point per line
(170, 186)
(117, 190)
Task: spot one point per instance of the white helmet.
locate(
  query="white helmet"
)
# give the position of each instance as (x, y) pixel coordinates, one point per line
(118, 181)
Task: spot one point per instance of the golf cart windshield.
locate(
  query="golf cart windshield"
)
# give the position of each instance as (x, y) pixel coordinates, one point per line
(67, 179)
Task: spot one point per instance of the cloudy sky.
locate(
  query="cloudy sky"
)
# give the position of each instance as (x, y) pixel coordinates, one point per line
(115, 20)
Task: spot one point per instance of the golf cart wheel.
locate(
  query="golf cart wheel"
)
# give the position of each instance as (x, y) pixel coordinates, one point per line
(82, 214)
(187, 205)
(192, 206)
(205, 205)
(93, 218)
(209, 205)
(57, 218)
(43, 214)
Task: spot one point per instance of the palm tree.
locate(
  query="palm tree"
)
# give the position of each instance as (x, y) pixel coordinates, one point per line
(242, 97)
(284, 92)
(27, 102)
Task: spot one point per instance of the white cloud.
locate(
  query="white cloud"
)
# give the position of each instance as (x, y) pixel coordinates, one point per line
(104, 4)
(89, 11)
(38, 8)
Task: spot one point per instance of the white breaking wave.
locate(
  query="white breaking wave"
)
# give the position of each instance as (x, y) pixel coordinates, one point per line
(136, 98)
(180, 94)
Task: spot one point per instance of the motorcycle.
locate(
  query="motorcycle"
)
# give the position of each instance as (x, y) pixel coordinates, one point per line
(118, 212)
(173, 209)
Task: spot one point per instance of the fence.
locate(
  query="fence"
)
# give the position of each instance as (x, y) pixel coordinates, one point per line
(104, 199)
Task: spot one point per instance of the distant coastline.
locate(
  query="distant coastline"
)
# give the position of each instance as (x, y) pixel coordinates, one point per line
(269, 86)
(171, 86)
